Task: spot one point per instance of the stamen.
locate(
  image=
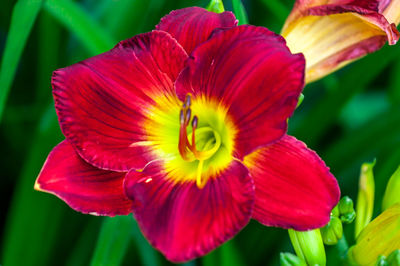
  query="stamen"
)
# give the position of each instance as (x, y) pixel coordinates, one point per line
(195, 121)
(188, 116)
(182, 117)
(188, 100)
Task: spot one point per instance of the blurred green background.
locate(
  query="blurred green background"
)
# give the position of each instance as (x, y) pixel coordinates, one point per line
(349, 117)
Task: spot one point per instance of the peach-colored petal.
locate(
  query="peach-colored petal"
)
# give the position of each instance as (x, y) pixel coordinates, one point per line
(331, 34)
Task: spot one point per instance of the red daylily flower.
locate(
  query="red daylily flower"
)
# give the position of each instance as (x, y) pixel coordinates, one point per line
(185, 127)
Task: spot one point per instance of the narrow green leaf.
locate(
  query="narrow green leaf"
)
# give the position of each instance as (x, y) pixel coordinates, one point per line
(23, 17)
(326, 111)
(394, 87)
(147, 252)
(278, 9)
(357, 143)
(240, 12)
(230, 256)
(113, 240)
(89, 32)
(44, 211)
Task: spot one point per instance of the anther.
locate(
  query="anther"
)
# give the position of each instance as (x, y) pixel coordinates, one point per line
(188, 101)
(195, 121)
(182, 117)
(188, 115)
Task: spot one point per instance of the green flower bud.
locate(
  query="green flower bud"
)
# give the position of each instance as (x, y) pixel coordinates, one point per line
(346, 210)
(216, 6)
(380, 237)
(308, 246)
(392, 194)
(394, 258)
(332, 232)
(365, 199)
(346, 205)
(289, 259)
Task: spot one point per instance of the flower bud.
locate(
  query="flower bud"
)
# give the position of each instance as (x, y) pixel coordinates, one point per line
(394, 258)
(380, 237)
(289, 259)
(392, 194)
(346, 210)
(332, 232)
(365, 199)
(216, 6)
(308, 246)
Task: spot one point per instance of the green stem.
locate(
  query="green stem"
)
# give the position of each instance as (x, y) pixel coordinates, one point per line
(342, 247)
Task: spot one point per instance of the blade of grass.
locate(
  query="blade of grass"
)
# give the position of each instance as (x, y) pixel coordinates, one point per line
(147, 252)
(394, 87)
(87, 30)
(318, 120)
(79, 254)
(278, 9)
(23, 17)
(33, 216)
(113, 241)
(48, 51)
(230, 255)
(240, 12)
(366, 140)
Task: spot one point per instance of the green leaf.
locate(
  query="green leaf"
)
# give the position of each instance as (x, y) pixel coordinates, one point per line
(23, 17)
(240, 12)
(87, 30)
(113, 240)
(278, 9)
(33, 217)
(325, 112)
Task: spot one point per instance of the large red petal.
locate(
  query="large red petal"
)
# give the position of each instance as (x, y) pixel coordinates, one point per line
(294, 188)
(183, 221)
(252, 73)
(83, 187)
(193, 25)
(102, 102)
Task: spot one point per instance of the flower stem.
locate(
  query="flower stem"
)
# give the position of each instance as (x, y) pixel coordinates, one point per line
(342, 247)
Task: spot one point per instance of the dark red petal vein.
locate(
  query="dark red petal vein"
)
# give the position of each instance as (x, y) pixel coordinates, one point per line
(83, 187)
(193, 25)
(294, 188)
(101, 102)
(183, 221)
